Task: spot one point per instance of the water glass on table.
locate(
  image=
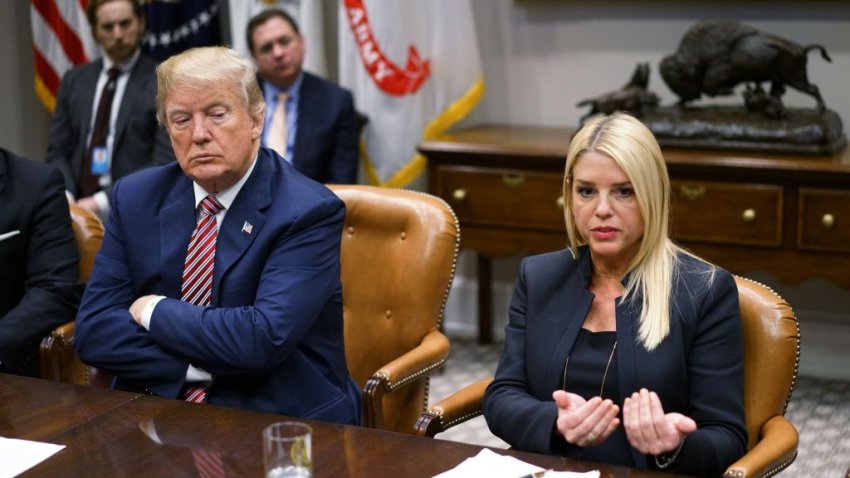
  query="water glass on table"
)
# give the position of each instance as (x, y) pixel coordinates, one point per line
(287, 450)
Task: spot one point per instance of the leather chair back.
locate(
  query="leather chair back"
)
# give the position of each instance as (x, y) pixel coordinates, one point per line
(56, 352)
(771, 354)
(398, 256)
(88, 230)
(771, 360)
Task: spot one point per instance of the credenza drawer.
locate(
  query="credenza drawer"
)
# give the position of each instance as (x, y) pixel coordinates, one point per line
(503, 198)
(727, 213)
(824, 220)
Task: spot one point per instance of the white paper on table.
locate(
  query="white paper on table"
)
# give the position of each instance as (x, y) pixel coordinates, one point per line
(18, 456)
(492, 465)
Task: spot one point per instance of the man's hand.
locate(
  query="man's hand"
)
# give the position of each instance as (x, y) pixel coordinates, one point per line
(139, 306)
(89, 203)
(585, 423)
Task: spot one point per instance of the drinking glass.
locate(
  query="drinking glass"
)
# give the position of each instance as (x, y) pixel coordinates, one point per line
(287, 450)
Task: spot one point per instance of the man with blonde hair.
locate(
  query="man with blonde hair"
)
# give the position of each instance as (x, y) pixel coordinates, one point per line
(218, 279)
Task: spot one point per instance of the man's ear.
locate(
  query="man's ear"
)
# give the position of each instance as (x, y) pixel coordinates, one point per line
(257, 124)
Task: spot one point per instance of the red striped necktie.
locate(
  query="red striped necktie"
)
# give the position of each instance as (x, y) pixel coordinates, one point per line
(198, 270)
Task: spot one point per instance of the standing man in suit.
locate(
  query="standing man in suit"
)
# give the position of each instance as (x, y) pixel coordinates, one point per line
(92, 154)
(321, 133)
(40, 281)
(218, 278)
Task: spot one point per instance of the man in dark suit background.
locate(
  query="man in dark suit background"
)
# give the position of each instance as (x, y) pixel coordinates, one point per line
(266, 332)
(39, 277)
(133, 140)
(322, 134)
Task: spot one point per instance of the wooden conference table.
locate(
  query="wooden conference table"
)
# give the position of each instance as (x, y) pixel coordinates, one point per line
(108, 433)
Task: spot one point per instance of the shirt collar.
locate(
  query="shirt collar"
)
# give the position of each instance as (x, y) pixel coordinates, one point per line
(125, 66)
(227, 196)
(271, 91)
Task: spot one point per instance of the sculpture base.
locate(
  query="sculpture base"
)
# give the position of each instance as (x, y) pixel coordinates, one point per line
(801, 131)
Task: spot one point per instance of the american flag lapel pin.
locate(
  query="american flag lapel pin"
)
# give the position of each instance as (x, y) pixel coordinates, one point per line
(247, 227)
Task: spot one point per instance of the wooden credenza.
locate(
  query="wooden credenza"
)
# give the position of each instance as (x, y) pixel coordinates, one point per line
(785, 214)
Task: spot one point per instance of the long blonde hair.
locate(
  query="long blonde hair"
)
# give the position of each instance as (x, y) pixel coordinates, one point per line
(634, 148)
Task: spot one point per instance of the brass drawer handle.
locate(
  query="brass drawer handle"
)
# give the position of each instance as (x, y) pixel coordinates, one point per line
(559, 203)
(513, 180)
(749, 215)
(459, 194)
(828, 221)
(692, 193)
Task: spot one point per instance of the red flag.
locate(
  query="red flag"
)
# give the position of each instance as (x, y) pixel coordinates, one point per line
(61, 40)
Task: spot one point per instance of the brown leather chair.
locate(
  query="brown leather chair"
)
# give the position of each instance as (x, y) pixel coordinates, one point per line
(56, 353)
(398, 256)
(771, 358)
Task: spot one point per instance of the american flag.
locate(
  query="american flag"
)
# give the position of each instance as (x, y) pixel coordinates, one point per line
(61, 39)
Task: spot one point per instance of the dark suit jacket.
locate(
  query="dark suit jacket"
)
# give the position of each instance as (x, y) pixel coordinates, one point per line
(39, 271)
(326, 146)
(697, 370)
(273, 335)
(138, 142)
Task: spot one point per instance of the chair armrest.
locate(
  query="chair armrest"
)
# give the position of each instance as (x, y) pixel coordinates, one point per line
(457, 408)
(428, 356)
(65, 332)
(56, 354)
(776, 449)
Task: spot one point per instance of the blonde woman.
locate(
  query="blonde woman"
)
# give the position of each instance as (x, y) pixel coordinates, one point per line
(622, 348)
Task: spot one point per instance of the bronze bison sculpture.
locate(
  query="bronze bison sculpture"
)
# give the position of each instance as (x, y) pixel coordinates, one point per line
(716, 55)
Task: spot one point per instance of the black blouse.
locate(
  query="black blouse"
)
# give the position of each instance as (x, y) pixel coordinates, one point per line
(585, 374)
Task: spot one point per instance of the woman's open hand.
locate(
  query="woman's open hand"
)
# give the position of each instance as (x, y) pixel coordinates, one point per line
(585, 422)
(649, 429)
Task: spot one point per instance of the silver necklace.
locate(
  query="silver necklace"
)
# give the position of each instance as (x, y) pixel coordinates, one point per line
(604, 375)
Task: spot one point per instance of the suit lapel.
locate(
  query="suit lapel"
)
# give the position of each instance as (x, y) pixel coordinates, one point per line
(630, 353)
(555, 365)
(572, 303)
(85, 95)
(244, 220)
(627, 349)
(134, 84)
(302, 131)
(89, 78)
(176, 223)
